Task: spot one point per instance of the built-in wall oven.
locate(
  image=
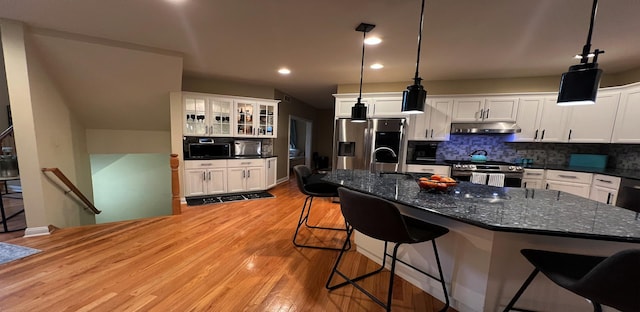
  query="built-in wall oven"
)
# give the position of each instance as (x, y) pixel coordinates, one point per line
(463, 170)
(629, 194)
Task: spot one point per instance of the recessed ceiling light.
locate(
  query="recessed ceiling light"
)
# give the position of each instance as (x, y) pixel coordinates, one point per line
(176, 1)
(372, 40)
(376, 66)
(284, 71)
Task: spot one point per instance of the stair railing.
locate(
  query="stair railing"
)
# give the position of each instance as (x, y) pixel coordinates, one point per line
(72, 188)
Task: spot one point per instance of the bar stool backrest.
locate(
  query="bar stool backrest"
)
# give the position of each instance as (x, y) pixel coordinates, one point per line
(302, 172)
(372, 216)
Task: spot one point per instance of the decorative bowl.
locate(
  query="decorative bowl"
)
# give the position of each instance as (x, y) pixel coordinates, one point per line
(441, 184)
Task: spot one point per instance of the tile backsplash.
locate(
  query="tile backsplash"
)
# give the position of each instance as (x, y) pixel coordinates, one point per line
(623, 156)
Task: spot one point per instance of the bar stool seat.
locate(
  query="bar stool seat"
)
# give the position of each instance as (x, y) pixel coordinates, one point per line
(312, 186)
(612, 281)
(380, 219)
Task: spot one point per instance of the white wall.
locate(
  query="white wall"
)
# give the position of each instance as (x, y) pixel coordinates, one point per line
(103, 141)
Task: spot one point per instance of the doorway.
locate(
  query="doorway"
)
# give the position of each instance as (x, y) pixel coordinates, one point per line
(300, 133)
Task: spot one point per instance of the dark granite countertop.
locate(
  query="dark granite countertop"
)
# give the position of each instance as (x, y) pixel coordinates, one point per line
(505, 209)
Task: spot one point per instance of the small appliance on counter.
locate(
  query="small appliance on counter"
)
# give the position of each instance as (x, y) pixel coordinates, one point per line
(196, 148)
(588, 160)
(247, 148)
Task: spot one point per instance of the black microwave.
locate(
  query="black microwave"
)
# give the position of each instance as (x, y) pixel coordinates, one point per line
(421, 152)
(205, 148)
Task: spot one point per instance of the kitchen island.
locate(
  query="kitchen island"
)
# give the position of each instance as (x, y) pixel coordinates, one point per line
(489, 226)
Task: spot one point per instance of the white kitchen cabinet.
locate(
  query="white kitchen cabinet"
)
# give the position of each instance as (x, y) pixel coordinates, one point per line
(435, 123)
(485, 109)
(429, 169)
(379, 105)
(541, 120)
(605, 189)
(271, 172)
(255, 118)
(245, 175)
(627, 127)
(576, 183)
(593, 123)
(533, 178)
(205, 177)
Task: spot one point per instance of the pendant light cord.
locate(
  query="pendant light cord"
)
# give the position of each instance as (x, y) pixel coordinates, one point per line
(587, 47)
(419, 43)
(364, 36)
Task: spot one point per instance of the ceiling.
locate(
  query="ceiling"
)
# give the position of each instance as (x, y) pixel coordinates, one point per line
(249, 40)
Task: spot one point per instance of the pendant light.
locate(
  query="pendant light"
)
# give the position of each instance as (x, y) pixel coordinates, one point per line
(413, 98)
(579, 86)
(359, 110)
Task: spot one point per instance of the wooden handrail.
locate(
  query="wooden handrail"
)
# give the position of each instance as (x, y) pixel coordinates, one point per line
(6, 132)
(175, 185)
(72, 188)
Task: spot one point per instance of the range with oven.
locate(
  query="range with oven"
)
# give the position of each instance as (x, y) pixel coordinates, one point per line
(463, 169)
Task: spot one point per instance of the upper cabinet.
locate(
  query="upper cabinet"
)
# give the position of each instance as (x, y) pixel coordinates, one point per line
(593, 123)
(379, 105)
(541, 120)
(627, 127)
(435, 123)
(485, 109)
(226, 116)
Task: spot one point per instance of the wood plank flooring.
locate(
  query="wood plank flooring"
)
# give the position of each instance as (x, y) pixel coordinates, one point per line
(222, 257)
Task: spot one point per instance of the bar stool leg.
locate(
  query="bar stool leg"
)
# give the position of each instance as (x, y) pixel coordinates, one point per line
(304, 219)
(521, 290)
(444, 286)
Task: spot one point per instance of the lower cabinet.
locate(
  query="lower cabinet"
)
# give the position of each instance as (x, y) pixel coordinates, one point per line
(245, 175)
(533, 178)
(605, 189)
(205, 177)
(576, 183)
(271, 172)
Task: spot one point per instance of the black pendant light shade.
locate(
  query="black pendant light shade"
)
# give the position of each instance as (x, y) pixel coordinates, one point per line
(579, 86)
(359, 110)
(414, 97)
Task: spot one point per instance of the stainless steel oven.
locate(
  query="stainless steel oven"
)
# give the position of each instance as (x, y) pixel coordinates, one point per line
(463, 170)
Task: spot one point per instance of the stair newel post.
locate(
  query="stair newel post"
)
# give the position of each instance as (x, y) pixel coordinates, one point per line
(175, 185)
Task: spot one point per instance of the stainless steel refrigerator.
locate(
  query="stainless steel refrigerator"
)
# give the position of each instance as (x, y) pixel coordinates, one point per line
(376, 145)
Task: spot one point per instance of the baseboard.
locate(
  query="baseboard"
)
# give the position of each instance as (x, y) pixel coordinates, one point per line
(36, 231)
(285, 179)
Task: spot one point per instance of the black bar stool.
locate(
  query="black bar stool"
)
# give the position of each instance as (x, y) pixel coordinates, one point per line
(311, 185)
(380, 219)
(612, 281)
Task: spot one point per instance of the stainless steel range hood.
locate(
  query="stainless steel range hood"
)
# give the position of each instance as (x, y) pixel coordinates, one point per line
(484, 128)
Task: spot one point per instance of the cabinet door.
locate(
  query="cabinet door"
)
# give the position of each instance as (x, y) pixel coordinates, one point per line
(419, 125)
(220, 117)
(271, 172)
(194, 182)
(387, 107)
(344, 105)
(577, 189)
(552, 122)
(267, 122)
(528, 117)
(500, 108)
(429, 169)
(593, 123)
(217, 181)
(627, 127)
(245, 113)
(236, 177)
(603, 195)
(255, 179)
(195, 119)
(467, 109)
(440, 119)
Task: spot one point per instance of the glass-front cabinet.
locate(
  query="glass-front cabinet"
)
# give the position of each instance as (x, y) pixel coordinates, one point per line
(228, 116)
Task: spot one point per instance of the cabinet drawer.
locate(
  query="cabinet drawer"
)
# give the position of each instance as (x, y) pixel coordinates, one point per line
(570, 176)
(200, 164)
(441, 170)
(245, 162)
(533, 174)
(606, 181)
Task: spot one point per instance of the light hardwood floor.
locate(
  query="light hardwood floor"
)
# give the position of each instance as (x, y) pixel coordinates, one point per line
(221, 257)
